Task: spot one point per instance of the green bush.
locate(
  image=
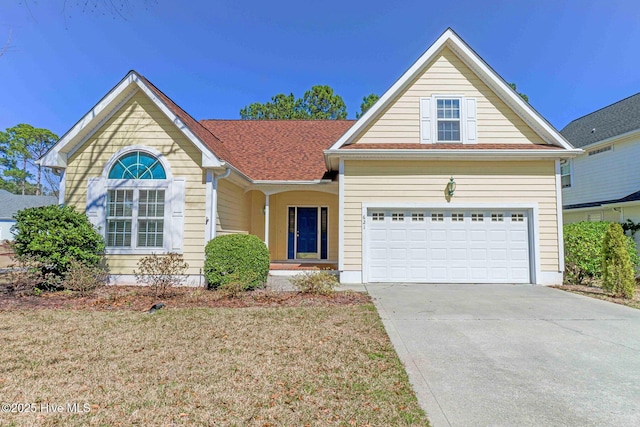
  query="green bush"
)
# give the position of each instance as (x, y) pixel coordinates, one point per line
(618, 275)
(236, 257)
(53, 236)
(315, 282)
(583, 251)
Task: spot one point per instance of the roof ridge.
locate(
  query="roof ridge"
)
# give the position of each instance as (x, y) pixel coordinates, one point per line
(602, 108)
(278, 120)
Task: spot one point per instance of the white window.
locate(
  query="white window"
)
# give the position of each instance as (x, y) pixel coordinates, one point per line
(437, 217)
(137, 205)
(448, 119)
(397, 216)
(565, 173)
(417, 217)
(497, 217)
(377, 216)
(477, 217)
(457, 217)
(517, 217)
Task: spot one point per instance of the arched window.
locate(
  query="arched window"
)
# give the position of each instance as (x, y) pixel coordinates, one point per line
(137, 165)
(137, 211)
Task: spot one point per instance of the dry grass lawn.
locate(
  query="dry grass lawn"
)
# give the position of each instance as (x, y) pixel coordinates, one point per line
(202, 366)
(595, 291)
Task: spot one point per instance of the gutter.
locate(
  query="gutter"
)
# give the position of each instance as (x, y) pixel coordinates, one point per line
(214, 200)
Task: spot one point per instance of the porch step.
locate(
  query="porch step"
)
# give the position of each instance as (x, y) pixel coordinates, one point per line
(275, 266)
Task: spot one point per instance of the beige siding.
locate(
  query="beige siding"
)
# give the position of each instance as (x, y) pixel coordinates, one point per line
(425, 182)
(140, 122)
(234, 209)
(278, 207)
(497, 123)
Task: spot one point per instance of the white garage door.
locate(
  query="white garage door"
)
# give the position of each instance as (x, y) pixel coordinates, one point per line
(447, 246)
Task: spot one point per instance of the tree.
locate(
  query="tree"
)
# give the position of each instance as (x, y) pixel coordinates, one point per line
(318, 103)
(21, 146)
(367, 102)
(618, 276)
(522, 95)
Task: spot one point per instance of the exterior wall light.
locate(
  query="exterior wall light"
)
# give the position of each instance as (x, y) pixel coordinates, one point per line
(451, 187)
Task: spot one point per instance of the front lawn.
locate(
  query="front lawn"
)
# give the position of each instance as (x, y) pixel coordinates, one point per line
(262, 366)
(595, 291)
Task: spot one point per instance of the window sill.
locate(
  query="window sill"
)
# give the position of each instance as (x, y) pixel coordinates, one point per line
(138, 251)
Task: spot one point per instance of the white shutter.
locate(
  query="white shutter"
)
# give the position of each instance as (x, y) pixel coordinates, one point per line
(97, 203)
(471, 136)
(176, 226)
(425, 121)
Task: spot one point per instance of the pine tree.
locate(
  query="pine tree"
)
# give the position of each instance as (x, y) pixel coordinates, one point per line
(618, 276)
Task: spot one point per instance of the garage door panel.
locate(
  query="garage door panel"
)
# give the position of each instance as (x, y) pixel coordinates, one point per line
(431, 245)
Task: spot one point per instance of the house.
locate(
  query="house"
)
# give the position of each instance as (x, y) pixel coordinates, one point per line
(10, 204)
(603, 183)
(449, 177)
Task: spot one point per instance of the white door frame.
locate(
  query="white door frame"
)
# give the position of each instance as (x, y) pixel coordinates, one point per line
(319, 232)
(532, 208)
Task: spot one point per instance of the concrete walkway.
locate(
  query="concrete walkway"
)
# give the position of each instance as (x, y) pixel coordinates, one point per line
(515, 355)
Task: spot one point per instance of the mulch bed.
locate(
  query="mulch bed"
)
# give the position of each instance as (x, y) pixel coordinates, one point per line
(137, 298)
(597, 292)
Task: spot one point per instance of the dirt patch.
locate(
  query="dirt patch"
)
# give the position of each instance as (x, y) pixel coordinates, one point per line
(6, 255)
(139, 298)
(598, 292)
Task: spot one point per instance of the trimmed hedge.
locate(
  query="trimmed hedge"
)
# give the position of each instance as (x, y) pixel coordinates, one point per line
(618, 275)
(583, 250)
(236, 257)
(54, 236)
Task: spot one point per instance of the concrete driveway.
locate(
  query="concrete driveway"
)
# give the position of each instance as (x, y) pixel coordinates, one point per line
(515, 355)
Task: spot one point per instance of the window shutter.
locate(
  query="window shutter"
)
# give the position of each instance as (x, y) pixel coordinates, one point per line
(425, 121)
(176, 226)
(471, 125)
(97, 203)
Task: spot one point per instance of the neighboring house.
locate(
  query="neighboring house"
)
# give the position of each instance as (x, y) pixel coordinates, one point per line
(449, 177)
(603, 183)
(10, 204)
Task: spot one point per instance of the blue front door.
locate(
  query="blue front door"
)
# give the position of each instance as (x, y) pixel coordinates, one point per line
(307, 233)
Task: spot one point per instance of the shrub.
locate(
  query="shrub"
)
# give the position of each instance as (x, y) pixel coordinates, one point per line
(54, 235)
(83, 278)
(241, 257)
(315, 282)
(24, 277)
(583, 251)
(234, 284)
(162, 272)
(618, 275)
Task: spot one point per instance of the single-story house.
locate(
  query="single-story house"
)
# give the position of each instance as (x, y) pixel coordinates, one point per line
(603, 183)
(10, 204)
(449, 177)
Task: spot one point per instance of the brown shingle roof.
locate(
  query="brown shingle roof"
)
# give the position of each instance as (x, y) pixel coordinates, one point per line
(288, 150)
(440, 146)
(198, 130)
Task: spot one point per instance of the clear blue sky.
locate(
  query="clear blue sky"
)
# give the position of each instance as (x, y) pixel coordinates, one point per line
(212, 58)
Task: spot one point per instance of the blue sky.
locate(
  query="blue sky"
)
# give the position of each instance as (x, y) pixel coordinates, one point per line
(214, 57)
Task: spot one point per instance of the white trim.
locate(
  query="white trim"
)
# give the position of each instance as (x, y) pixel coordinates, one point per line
(266, 219)
(62, 187)
(214, 201)
(210, 219)
(85, 127)
(341, 215)
(559, 217)
(461, 120)
(131, 148)
(450, 39)
(351, 276)
(93, 129)
(534, 234)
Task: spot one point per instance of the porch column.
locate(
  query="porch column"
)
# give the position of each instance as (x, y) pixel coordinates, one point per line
(266, 220)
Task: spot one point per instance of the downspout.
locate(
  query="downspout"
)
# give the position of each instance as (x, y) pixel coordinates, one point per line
(214, 201)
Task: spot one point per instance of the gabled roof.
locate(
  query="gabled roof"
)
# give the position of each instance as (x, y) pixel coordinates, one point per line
(10, 203)
(451, 40)
(278, 150)
(213, 152)
(616, 119)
